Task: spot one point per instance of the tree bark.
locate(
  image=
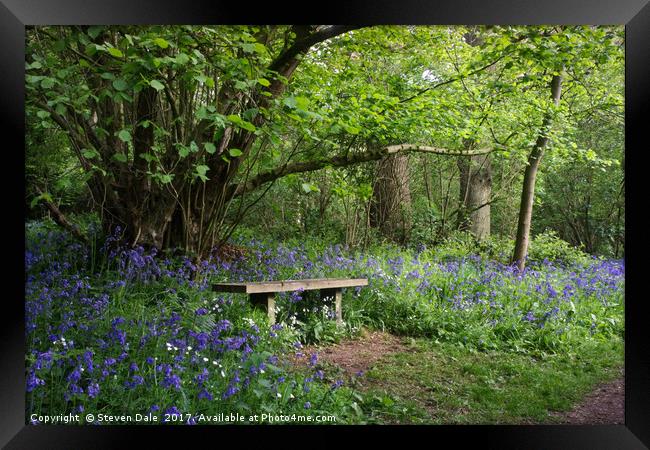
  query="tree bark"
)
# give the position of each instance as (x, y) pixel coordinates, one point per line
(528, 191)
(391, 207)
(475, 195)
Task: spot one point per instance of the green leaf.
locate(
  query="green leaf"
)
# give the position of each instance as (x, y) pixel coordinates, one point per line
(43, 114)
(89, 154)
(160, 42)
(202, 169)
(241, 123)
(165, 178)
(120, 84)
(47, 83)
(248, 48)
(209, 147)
(241, 85)
(182, 58)
(34, 79)
(235, 152)
(193, 147)
(264, 82)
(250, 114)
(307, 187)
(183, 151)
(157, 85)
(121, 157)
(115, 52)
(147, 157)
(202, 113)
(302, 103)
(124, 135)
(94, 31)
(201, 174)
(290, 102)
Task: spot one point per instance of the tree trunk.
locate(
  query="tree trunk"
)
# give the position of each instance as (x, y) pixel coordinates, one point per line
(391, 206)
(479, 196)
(475, 193)
(528, 191)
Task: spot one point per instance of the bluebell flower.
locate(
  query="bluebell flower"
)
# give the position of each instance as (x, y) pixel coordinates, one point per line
(93, 390)
(33, 381)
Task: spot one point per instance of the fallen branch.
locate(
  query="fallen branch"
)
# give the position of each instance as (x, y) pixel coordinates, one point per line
(60, 219)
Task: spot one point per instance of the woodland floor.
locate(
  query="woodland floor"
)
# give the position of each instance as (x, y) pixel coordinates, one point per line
(357, 355)
(604, 405)
(351, 359)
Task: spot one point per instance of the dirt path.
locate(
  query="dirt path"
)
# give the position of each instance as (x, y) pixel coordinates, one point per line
(356, 356)
(604, 405)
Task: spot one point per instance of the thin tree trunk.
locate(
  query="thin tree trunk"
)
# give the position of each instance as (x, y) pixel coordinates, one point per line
(528, 191)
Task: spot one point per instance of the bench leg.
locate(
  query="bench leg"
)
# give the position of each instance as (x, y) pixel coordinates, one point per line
(267, 301)
(337, 294)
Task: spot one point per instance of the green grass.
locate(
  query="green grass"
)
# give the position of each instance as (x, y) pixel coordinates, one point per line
(446, 384)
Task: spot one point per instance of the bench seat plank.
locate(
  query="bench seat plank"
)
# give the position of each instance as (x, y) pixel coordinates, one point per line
(289, 285)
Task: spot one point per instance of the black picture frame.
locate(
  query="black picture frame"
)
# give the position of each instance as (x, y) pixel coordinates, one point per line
(16, 14)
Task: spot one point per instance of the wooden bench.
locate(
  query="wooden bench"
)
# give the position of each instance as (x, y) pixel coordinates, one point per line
(263, 293)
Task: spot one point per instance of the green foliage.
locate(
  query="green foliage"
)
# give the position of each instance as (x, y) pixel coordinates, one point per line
(548, 246)
(381, 85)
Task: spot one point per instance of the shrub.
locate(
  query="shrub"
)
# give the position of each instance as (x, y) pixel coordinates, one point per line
(548, 246)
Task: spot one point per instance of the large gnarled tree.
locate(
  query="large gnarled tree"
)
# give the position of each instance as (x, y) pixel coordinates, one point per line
(168, 122)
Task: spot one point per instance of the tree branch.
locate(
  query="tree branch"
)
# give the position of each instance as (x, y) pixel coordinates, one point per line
(343, 161)
(303, 43)
(287, 61)
(60, 219)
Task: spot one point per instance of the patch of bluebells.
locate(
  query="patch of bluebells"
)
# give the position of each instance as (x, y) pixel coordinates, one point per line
(545, 295)
(157, 353)
(74, 336)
